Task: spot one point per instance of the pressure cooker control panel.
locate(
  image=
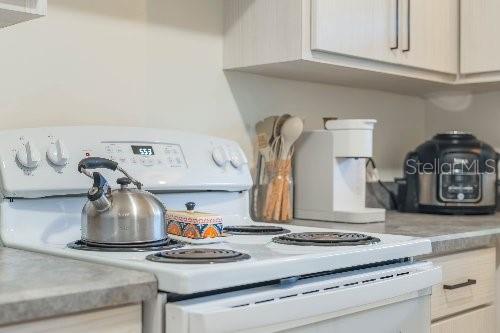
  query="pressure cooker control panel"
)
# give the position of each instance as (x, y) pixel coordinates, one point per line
(460, 187)
(38, 162)
(460, 178)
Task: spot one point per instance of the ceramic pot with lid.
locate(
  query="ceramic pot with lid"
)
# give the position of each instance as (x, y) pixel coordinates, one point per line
(120, 216)
(194, 224)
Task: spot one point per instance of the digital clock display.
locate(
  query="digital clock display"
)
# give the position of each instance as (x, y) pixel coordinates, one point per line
(143, 150)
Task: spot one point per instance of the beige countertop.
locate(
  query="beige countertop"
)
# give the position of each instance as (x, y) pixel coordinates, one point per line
(448, 233)
(35, 286)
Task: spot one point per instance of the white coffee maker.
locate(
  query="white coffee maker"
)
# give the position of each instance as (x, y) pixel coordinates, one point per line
(330, 173)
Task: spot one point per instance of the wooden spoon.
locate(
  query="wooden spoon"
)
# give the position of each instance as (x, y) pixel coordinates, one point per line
(264, 131)
(290, 131)
(276, 144)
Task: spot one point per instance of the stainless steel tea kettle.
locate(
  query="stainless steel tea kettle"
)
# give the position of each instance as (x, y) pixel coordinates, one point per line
(121, 216)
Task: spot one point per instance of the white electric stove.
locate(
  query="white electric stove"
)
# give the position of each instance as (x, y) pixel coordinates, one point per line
(290, 279)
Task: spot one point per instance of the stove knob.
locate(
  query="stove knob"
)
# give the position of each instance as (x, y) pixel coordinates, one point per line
(236, 158)
(219, 156)
(56, 154)
(28, 156)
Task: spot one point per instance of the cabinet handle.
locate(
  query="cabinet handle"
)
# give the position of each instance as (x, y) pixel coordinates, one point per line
(408, 26)
(395, 47)
(469, 282)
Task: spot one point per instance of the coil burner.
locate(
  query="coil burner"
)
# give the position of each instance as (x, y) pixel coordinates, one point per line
(325, 239)
(198, 256)
(255, 230)
(164, 244)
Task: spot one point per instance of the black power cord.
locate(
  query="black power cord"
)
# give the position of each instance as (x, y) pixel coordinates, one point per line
(392, 195)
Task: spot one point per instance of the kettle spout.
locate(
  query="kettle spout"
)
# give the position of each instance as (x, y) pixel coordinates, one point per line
(97, 196)
(101, 203)
(97, 193)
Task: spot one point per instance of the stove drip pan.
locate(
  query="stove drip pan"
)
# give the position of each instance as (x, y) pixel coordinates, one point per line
(255, 230)
(164, 244)
(198, 256)
(325, 239)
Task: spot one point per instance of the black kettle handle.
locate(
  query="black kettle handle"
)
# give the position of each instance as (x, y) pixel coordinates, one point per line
(97, 162)
(100, 162)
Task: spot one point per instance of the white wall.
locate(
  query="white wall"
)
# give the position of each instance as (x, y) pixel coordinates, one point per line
(478, 114)
(158, 63)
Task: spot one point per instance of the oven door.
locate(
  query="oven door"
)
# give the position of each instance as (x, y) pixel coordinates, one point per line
(391, 298)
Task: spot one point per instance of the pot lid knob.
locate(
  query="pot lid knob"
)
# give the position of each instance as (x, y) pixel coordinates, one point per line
(190, 206)
(124, 181)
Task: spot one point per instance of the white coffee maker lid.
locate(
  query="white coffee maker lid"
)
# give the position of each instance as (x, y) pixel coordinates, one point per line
(350, 124)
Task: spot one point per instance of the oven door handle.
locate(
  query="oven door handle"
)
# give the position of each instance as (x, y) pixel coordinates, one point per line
(248, 313)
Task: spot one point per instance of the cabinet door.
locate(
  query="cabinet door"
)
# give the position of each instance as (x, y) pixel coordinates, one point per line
(470, 280)
(416, 33)
(477, 321)
(363, 29)
(479, 30)
(429, 34)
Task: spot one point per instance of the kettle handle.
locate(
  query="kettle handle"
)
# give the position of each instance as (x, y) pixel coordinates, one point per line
(97, 162)
(100, 162)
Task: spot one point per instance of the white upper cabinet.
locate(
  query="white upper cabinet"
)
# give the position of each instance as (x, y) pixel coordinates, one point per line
(16, 11)
(479, 32)
(363, 29)
(406, 46)
(418, 33)
(429, 34)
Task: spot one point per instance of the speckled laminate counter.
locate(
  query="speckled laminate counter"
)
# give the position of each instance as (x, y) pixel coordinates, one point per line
(447, 233)
(34, 286)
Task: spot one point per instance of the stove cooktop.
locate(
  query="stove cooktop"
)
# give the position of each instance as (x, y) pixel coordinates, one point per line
(267, 260)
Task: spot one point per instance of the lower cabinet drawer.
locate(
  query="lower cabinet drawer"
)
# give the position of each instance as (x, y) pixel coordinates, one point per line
(476, 321)
(124, 319)
(468, 282)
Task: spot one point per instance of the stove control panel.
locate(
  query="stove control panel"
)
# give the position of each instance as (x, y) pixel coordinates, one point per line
(148, 155)
(38, 162)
